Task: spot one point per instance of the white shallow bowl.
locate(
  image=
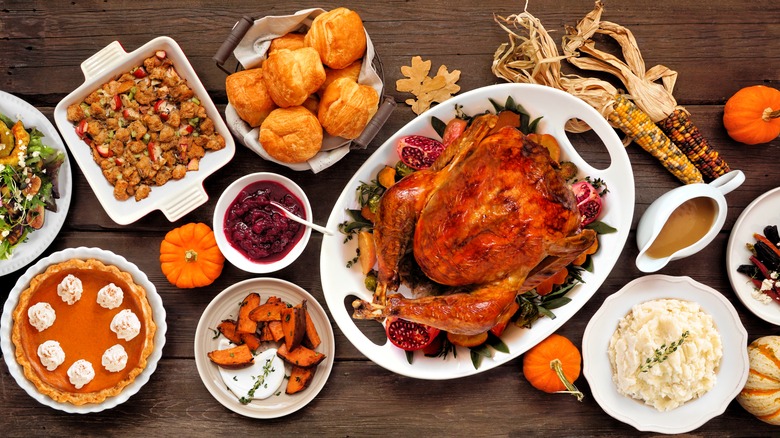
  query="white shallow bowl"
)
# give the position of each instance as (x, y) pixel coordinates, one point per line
(763, 211)
(109, 258)
(233, 255)
(731, 376)
(176, 197)
(225, 306)
(340, 282)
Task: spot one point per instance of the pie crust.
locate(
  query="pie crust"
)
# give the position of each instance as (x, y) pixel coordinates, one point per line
(83, 331)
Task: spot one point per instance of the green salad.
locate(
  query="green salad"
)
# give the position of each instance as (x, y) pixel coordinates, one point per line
(28, 182)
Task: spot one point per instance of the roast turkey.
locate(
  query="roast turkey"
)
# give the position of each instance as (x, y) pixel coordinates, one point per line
(492, 218)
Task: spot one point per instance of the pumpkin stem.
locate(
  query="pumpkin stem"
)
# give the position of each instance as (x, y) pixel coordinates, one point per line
(770, 114)
(190, 256)
(556, 366)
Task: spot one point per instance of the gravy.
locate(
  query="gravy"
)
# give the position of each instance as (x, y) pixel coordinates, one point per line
(687, 224)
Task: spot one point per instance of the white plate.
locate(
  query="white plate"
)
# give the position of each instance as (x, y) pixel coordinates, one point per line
(732, 374)
(763, 211)
(225, 306)
(37, 241)
(176, 197)
(339, 282)
(109, 258)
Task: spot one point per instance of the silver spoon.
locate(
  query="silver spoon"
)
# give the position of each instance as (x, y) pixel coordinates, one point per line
(290, 215)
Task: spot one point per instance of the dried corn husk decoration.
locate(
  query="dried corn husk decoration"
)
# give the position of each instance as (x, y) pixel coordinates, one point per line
(651, 96)
(535, 59)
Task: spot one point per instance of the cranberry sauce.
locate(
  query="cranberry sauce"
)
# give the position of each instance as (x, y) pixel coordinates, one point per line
(257, 229)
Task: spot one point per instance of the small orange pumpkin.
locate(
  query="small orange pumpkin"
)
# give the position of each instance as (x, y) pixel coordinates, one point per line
(552, 365)
(752, 115)
(190, 257)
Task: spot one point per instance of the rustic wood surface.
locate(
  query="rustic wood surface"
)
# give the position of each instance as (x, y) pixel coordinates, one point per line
(717, 47)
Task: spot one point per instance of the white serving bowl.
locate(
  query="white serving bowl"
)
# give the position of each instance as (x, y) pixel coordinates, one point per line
(176, 197)
(235, 256)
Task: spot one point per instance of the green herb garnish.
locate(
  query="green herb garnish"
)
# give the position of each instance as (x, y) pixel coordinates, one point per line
(662, 353)
(259, 380)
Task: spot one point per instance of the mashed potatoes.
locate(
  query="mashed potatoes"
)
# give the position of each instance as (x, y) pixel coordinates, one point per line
(686, 373)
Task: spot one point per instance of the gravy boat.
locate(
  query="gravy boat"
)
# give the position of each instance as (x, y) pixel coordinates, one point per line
(660, 211)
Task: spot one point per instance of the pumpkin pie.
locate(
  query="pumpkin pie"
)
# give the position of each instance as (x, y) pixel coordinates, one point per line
(82, 331)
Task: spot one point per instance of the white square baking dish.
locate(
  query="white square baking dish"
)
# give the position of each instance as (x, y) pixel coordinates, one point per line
(176, 197)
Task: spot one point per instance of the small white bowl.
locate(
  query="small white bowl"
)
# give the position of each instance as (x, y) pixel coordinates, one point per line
(235, 256)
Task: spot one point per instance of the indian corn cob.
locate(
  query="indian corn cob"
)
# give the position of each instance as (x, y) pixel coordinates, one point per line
(651, 89)
(679, 128)
(637, 125)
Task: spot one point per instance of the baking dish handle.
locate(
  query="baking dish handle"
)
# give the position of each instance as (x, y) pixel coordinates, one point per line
(184, 202)
(102, 60)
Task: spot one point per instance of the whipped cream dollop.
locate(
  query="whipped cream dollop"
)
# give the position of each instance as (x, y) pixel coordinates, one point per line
(115, 358)
(70, 289)
(126, 325)
(110, 296)
(51, 355)
(41, 315)
(81, 373)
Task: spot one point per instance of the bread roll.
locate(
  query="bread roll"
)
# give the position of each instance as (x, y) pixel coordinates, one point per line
(338, 36)
(312, 104)
(351, 71)
(290, 41)
(292, 75)
(346, 107)
(247, 93)
(291, 135)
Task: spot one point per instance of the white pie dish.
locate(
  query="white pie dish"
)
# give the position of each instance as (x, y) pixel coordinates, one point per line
(109, 258)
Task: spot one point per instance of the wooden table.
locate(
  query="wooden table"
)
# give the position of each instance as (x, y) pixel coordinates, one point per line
(717, 48)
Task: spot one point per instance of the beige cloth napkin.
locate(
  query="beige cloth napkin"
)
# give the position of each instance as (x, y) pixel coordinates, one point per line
(251, 51)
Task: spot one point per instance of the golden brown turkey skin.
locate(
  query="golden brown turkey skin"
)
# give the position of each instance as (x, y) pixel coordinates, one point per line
(492, 217)
(495, 214)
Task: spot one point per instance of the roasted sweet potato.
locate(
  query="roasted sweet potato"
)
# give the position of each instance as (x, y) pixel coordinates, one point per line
(228, 329)
(252, 340)
(312, 339)
(294, 325)
(265, 332)
(235, 357)
(277, 333)
(300, 378)
(467, 340)
(246, 325)
(506, 118)
(301, 356)
(268, 312)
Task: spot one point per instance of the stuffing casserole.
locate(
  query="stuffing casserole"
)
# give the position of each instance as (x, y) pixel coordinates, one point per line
(145, 127)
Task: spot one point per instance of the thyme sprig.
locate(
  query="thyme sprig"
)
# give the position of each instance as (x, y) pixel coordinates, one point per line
(662, 353)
